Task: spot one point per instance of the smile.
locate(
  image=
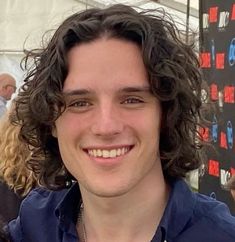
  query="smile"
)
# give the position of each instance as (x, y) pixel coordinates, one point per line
(111, 153)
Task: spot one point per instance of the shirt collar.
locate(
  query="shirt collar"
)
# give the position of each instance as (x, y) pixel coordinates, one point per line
(68, 208)
(3, 100)
(179, 210)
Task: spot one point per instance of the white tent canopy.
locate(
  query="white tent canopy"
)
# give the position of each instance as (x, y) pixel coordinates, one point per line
(24, 22)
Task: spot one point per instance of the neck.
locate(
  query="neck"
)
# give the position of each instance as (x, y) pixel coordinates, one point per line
(131, 217)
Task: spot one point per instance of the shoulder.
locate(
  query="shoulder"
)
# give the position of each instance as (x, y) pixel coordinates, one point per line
(214, 210)
(41, 198)
(37, 209)
(195, 217)
(212, 219)
(41, 203)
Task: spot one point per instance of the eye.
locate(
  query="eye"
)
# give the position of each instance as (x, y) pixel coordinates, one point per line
(79, 106)
(81, 103)
(132, 100)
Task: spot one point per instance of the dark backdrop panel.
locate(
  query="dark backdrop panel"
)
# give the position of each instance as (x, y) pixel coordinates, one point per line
(217, 56)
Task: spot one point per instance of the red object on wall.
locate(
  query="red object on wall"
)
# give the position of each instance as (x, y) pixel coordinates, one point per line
(232, 171)
(213, 168)
(204, 132)
(220, 61)
(233, 12)
(213, 14)
(223, 140)
(214, 92)
(205, 59)
(229, 94)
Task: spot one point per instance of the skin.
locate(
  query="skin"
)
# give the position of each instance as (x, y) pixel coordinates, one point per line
(7, 86)
(233, 193)
(109, 106)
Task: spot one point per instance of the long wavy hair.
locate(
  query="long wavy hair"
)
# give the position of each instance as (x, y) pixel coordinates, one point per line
(14, 155)
(174, 78)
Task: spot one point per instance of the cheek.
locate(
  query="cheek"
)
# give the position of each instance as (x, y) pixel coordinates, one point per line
(147, 130)
(152, 122)
(70, 125)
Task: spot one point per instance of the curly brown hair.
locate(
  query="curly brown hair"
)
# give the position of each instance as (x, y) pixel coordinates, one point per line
(174, 76)
(14, 155)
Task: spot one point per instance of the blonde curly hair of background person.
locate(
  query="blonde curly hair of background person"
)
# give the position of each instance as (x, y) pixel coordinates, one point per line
(13, 156)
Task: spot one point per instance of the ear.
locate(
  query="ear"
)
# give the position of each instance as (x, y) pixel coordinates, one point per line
(54, 131)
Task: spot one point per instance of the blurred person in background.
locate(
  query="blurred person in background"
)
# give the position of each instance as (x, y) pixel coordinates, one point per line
(9, 202)
(4, 237)
(15, 179)
(231, 186)
(7, 88)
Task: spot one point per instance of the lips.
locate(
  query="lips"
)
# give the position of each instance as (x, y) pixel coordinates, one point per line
(108, 153)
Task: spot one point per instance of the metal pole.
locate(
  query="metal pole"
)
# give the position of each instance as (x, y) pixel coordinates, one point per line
(187, 21)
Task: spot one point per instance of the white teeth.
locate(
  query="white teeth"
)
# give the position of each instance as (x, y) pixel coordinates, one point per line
(112, 153)
(108, 153)
(119, 152)
(99, 153)
(95, 152)
(105, 153)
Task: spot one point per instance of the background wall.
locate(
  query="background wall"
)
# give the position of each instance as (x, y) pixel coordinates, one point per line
(217, 21)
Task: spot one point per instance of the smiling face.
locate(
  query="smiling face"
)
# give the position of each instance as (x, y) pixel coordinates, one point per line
(109, 133)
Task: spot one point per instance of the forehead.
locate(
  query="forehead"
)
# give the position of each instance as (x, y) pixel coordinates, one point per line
(7, 79)
(105, 63)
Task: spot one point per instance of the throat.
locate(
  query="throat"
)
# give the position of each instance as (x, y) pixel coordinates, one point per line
(132, 226)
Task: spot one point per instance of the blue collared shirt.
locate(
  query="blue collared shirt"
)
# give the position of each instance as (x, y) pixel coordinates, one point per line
(3, 108)
(50, 216)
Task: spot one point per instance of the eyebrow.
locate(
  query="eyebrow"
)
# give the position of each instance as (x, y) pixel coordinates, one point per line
(131, 89)
(76, 92)
(135, 89)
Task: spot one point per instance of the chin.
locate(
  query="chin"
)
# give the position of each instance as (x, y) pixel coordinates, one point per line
(111, 192)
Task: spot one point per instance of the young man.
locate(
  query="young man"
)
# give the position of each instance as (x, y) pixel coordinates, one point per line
(114, 102)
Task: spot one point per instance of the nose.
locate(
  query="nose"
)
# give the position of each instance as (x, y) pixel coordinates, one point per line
(108, 121)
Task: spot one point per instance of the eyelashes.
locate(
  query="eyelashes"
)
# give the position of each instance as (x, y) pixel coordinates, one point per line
(81, 104)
